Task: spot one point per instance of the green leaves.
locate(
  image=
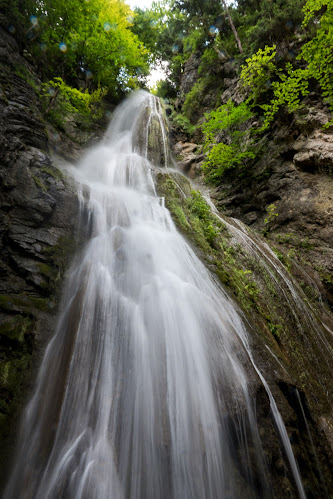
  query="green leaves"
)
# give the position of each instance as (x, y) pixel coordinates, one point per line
(313, 6)
(89, 40)
(318, 52)
(234, 148)
(62, 100)
(272, 88)
(227, 117)
(257, 71)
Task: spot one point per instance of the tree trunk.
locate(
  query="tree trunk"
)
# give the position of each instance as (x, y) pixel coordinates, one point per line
(233, 27)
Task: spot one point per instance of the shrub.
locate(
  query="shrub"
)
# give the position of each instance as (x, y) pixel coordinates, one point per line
(236, 146)
(61, 100)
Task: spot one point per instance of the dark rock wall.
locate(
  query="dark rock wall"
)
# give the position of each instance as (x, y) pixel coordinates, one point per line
(285, 195)
(37, 235)
(293, 171)
(289, 341)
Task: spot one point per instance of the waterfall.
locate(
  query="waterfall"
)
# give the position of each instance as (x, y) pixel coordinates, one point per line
(143, 391)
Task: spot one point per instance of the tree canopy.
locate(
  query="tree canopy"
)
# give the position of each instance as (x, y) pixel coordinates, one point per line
(91, 40)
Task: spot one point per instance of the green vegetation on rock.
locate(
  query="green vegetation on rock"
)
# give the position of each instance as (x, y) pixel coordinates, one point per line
(234, 147)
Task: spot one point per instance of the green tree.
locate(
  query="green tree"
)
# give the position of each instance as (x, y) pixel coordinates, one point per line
(88, 38)
(147, 25)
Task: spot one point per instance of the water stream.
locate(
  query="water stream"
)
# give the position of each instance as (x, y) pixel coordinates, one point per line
(143, 391)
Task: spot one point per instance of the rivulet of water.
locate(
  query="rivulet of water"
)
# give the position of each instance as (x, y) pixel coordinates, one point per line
(142, 392)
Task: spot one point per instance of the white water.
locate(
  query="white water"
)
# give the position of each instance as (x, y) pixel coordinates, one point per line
(142, 392)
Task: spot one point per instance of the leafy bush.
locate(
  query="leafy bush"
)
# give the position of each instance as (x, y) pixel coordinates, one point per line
(183, 123)
(230, 153)
(60, 100)
(193, 99)
(256, 73)
(285, 87)
(318, 52)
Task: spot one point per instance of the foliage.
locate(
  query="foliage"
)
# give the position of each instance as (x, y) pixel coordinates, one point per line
(183, 123)
(318, 52)
(257, 71)
(193, 99)
(230, 153)
(271, 214)
(312, 7)
(272, 87)
(266, 22)
(289, 86)
(200, 208)
(203, 27)
(146, 25)
(60, 100)
(209, 62)
(87, 40)
(164, 89)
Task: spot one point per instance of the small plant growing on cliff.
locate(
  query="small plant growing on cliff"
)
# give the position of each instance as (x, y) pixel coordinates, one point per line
(271, 216)
(272, 88)
(226, 145)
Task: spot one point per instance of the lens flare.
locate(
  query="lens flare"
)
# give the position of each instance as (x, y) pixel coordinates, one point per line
(51, 91)
(89, 74)
(107, 26)
(11, 29)
(43, 47)
(63, 47)
(212, 30)
(175, 49)
(34, 20)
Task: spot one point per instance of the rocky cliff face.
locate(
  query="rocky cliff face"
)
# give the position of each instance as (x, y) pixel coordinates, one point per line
(37, 229)
(292, 176)
(286, 196)
(290, 340)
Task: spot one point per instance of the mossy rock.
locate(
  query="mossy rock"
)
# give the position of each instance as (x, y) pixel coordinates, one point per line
(15, 328)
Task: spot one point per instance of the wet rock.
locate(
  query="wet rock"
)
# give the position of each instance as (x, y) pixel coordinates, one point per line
(189, 77)
(37, 232)
(189, 158)
(152, 142)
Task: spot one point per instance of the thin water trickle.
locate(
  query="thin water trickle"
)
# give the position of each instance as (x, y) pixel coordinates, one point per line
(142, 388)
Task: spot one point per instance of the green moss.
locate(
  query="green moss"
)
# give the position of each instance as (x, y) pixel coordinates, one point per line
(293, 240)
(13, 378)
(195, 220)
(59, 255)
(39, 183)
(16, 328)
(275, 329)
(22, 72)
(178, 214)
(53, 172)
(23, 304)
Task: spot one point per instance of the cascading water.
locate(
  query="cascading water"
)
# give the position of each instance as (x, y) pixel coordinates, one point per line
(142, 392)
